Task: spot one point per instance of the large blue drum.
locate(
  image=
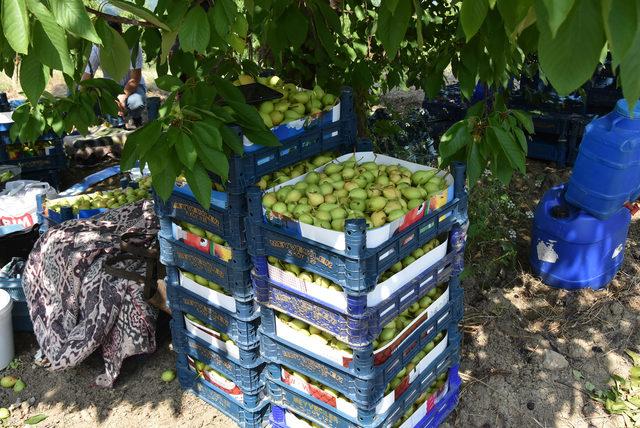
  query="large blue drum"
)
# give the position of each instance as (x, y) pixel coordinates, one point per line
(572, 249)
(607, 171)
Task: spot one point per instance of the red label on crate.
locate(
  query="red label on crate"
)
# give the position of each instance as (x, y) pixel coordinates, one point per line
(431, 402)
(400, 389)
(413, 216)
(200, 244)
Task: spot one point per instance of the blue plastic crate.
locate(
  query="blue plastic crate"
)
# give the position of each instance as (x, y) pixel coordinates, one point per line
(54, 160)
(226, 215)
(251, 412)
(432, 419)
(322, 136)
(49, 218)
(243, 367)
(356, 324)
(243, 331)
(357, 268)
(243, 309)
(364, 376)
(311, 408)
(549, 149)
(233, 275)
(20, 312)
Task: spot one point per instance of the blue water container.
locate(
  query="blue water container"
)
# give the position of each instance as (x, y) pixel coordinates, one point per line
(607, 171)
(572, 249)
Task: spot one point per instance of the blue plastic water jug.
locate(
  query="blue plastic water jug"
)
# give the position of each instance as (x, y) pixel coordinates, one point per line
(607, 171)
(572, 249)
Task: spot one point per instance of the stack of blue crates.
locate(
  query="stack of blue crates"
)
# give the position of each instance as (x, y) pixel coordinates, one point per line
(409, 383)
(217, 328)
(46, 167)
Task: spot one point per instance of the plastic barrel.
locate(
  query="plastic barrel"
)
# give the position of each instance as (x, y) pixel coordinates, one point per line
(6, 330)
(607, 170)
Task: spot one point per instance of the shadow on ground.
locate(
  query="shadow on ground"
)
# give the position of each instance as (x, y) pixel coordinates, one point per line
(525, 344)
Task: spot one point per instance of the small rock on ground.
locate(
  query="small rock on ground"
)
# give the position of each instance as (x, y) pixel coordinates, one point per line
(554, 361)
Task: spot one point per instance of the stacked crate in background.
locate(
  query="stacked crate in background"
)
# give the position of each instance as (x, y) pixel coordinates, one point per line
(215, 319)
(346, 345)
(41, 161)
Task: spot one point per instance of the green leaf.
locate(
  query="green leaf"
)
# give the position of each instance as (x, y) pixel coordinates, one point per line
(194, 31)
(35, 420)
(472, 16)
(391, 5)
(554, 14)
(212, 159)
(522, 140)
(621, 25)
(577, 374)
(454, 139)
(392, 26)
(630, 70)
(504, 171)
(15, 24)
(227, 90)
(511, 150)
(231, 140)
(73, 17)
(146, 137)
(475, 163)
(185, 149)
(168, 40)
(241, 26)
(208, 134)
(200, 184)
(114, 54)
(101, 83)
(49, 39)
(168, 83)
(634, 356)
(33, 77)
(164, 181)
(525, 119)
(576, 47)
(140, 12)
(295, 26)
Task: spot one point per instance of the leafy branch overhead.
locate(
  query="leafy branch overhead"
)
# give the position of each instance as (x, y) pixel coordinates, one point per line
(199, 46)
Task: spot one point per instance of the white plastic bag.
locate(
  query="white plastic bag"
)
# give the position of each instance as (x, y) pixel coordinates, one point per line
(18, 204)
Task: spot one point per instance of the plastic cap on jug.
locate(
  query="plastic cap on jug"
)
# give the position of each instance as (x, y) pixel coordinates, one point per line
(623, 108)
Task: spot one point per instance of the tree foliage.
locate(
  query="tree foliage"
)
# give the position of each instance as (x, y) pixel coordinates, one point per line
(372, 45)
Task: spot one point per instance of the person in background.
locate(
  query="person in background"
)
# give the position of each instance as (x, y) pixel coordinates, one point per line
(132, 101)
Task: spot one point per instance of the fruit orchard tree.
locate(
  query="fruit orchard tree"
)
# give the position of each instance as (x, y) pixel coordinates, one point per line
(199, 47)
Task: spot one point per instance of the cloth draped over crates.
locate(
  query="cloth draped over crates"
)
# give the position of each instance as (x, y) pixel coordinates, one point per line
(76, 307)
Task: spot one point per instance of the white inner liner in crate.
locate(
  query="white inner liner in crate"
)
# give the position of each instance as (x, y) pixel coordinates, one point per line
(379, 294)
(377, 236)
(212, 338)
(218, 380)
(215, 298)
(349, 408)
(343, 358)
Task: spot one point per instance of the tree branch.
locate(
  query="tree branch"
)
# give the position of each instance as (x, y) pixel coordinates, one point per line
(120, 19)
